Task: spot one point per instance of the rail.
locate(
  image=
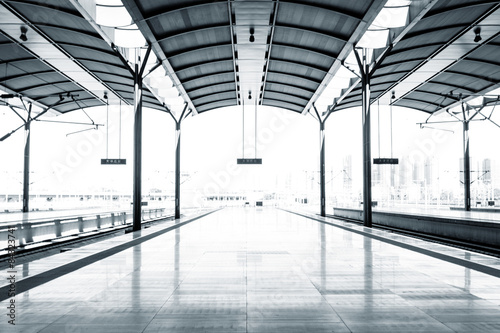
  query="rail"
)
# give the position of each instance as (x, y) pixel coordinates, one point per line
(31, 232)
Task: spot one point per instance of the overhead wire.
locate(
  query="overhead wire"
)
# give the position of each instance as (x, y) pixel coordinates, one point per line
(255, 127)
(378, 124)
(107, 129)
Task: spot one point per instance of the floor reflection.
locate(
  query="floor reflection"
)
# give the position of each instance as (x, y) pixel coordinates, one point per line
(323, 255)
(467, 274)
(177, 249)
(248, 270)
(368, 273)
(136, 274)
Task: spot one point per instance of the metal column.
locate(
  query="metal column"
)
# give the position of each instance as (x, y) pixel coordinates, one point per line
(26, 178)
(322, 171)
(137, 196)
(178, 169)
(178, 123)
(466, 166)
(367, 154)
(322, 168)
(137, 192)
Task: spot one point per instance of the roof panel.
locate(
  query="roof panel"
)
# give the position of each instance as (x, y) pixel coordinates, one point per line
(287, 89)
(308, 40)
(212, 90)
(282, 104)
(317, 18)
(182, 20)
(201, 56)
(57, 13)
(285, 98)
(299, 69)
(196, 39)
(220, 95)
(217, 104)
(207, 68)
(300, 56)
(208, 80)
(286, 78)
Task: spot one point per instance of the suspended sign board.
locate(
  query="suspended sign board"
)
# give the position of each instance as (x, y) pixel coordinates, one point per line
(111, 161)
(385, 161)
(249, 160)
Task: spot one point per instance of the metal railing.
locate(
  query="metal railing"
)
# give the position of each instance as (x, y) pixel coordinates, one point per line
(40, 230)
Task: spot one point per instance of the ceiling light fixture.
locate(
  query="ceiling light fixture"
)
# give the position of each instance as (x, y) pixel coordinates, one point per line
(7, 96)
(23, 36)
(478, 38)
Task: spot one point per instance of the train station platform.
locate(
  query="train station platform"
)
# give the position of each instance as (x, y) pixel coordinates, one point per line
(257, 270)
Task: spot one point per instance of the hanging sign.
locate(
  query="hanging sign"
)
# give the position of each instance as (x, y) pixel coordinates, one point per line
(385, 161)
(249, 160)
(113, 161)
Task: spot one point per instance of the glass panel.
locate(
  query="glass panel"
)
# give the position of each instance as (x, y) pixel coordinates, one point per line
(112, 16)
(374, 39)
(129, 37)
(391, 17)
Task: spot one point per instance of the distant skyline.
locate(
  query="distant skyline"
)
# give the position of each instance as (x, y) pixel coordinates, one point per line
(211, 142)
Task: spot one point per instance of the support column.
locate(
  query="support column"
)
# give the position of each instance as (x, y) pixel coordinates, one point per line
(137, 195)
(178, 170)
(26, 171)
(466, 166)
(322, 168)
(367, 154)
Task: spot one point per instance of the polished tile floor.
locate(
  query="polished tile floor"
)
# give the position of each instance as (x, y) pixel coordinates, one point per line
(248, 270)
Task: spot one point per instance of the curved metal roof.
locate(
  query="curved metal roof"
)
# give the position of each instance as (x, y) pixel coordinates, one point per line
(63, 60)
(439, 62)
(283, 53)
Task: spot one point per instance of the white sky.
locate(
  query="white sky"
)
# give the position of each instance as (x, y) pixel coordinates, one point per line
(211, 142)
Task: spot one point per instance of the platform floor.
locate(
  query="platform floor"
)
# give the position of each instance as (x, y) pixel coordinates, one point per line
(263, 270)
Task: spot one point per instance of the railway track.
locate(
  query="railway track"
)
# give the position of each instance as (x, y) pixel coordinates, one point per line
(473, 247)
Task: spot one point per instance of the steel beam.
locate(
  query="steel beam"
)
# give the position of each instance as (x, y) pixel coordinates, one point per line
(178, 169)
(137, 195)
(321, 159)
(268, 53)
(466, 161)
(322, 168)
(137, 191)
(178, 123)
(26, 171)
(367, 155)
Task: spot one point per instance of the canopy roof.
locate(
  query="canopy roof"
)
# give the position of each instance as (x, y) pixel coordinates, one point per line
(63, 60)
(439, 61)
(281, 53)
(295, 49)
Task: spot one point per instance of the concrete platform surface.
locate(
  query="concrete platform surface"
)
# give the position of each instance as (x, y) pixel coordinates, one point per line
(265, 270)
